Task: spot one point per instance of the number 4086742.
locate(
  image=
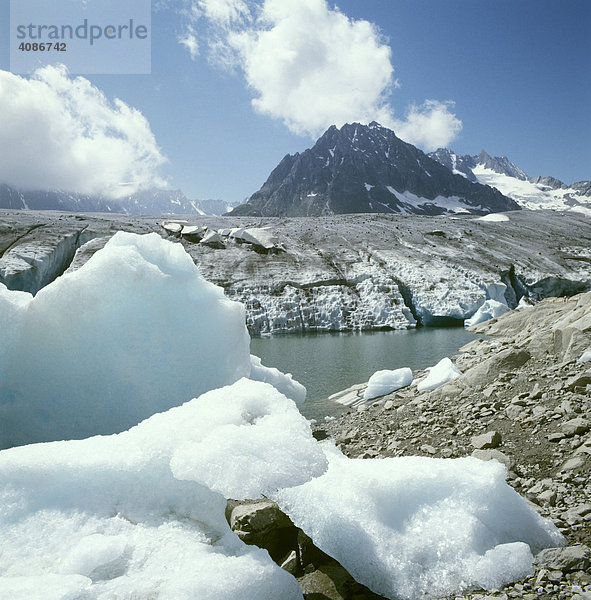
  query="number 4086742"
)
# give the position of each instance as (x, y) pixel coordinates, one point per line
(42, 47)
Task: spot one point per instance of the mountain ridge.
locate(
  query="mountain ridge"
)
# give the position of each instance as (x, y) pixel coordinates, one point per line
(367, 169)
(529, 192)
(144, 202)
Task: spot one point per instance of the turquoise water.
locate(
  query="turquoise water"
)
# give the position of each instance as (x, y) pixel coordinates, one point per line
(329, 362)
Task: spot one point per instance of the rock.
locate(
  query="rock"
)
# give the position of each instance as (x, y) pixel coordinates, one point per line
(513, 412)
(579, 381)
(321, 584)
(573, 463)
(262, 523)
(310, 554)
(494, 455)
(489, 369)
(490, 439)
(569, 558)
(547, 497)
(576, 426)
(333, 582)
(555, 437)
(291, 564)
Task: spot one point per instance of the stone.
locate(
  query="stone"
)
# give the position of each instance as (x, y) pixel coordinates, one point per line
(576, 426)
(547, 497)
(579, 381)
(555, 437)
(514, 412)
(569, 558)
(492, 454)
(490, 439)
(262, 523)
(320, 584)
(291, 564)
(573, 463)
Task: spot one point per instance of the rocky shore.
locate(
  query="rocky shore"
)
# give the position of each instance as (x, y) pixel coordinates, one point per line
(524, 399)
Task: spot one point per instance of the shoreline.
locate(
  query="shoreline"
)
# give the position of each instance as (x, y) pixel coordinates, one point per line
(523, 399)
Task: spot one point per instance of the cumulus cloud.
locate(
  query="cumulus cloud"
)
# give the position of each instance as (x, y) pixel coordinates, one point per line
(430, 126)
(311, 66)
(62, 133)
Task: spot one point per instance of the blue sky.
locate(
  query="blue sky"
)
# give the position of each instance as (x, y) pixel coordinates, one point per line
(515, 73)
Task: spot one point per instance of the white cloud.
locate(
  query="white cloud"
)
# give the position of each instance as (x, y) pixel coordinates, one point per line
(429, 126)
(189, 41)
(311, 66)
(62, 133)
(224, 12)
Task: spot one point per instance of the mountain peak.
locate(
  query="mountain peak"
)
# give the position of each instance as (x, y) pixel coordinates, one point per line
(367, 169)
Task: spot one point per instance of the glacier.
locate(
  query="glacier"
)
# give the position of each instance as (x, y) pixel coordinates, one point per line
(351, 272)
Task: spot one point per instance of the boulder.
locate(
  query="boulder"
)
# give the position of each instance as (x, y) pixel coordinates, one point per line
(569, 558)
(576, 426)
(490, 439)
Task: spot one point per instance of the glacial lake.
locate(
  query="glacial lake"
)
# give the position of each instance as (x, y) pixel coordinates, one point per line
(327, 363)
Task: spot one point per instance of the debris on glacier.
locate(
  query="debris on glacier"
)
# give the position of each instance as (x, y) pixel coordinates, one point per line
(258, 236)
(384, 382)
(415, 527)
(213, 239)
(443, 372)
(172, 228)
(491, 309)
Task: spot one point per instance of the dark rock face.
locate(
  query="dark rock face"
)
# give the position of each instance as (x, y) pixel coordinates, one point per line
(500, 164)
(367, 169)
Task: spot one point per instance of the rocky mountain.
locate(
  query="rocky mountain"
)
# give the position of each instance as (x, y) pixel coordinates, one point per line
(367, 169)
(153, 201)
(529, 192)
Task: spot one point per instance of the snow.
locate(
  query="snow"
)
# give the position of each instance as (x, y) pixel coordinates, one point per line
(384, 382)
(284, 382)
(368, 186)
(491, 309)
(494, 218)
(134, 331)
(141, 514)
(417, 527)
(585, 357)
(453, 204)
(531, 195)
(443, 372)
